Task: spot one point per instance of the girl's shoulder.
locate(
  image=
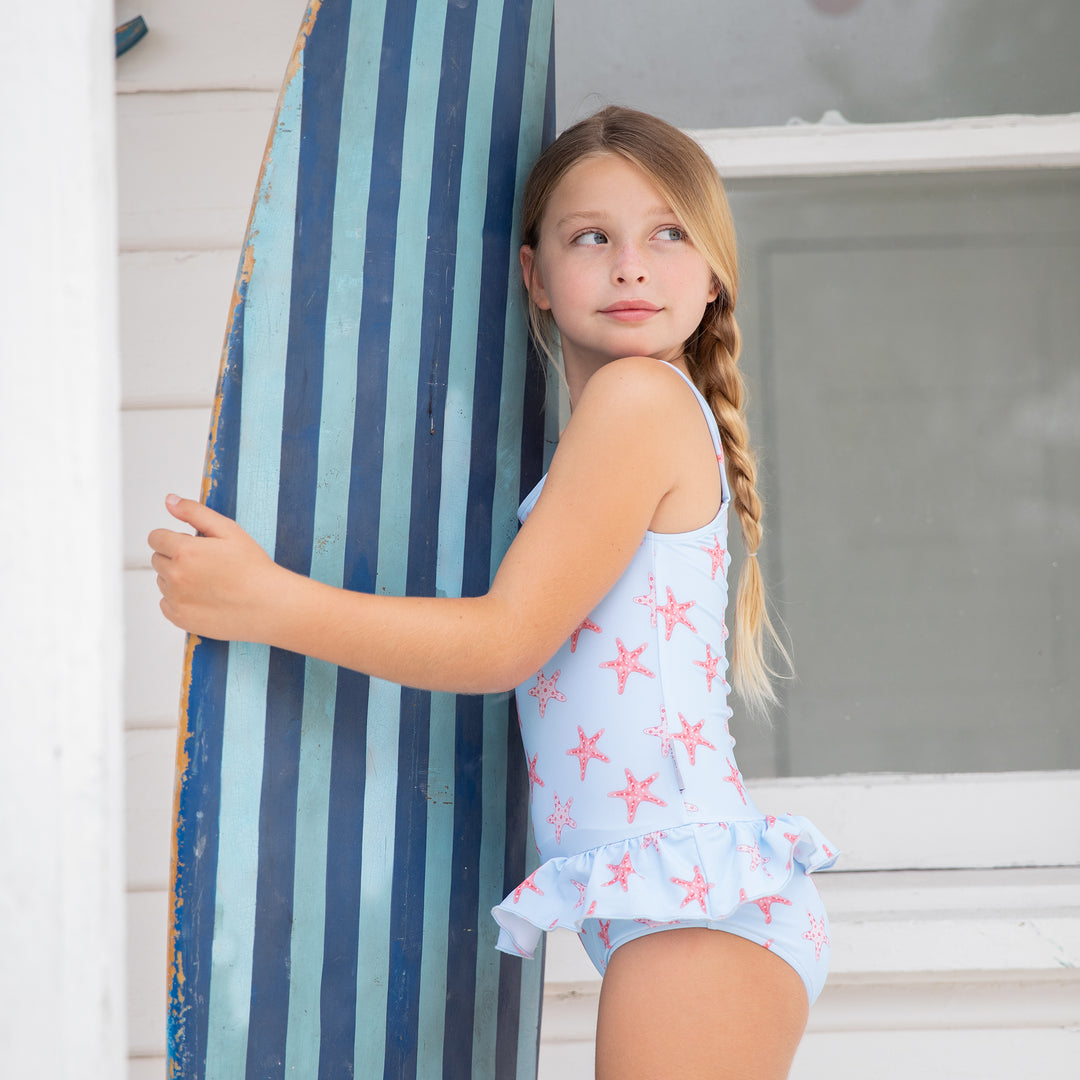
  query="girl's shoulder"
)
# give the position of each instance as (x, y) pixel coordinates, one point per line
(639, 383)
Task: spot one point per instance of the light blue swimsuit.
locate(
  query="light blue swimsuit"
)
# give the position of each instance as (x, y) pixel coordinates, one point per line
(638, 808)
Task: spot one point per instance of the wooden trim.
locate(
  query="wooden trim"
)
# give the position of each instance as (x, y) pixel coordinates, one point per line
(833, 147)
(889, 821)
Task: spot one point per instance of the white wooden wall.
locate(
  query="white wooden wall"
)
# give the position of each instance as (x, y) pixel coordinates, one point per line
(930, 980)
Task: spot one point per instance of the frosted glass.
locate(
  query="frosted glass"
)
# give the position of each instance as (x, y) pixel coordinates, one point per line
(914, 348)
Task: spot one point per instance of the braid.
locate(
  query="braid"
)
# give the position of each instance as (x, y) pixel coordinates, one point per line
(712, 358)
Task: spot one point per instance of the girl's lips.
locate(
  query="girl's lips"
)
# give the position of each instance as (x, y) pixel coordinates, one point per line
(630, 310)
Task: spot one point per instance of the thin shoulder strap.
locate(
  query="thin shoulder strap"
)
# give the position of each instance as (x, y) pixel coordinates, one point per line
(714, 430)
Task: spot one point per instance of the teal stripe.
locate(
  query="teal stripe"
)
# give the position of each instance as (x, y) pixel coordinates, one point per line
(456, 455)
(504, 529)
(266, 307)
(383, 707)
(359, 95)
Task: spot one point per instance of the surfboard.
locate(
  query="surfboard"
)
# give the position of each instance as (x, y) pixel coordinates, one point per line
(339, 840)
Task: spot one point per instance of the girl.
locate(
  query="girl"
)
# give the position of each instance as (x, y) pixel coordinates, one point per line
(607, 614)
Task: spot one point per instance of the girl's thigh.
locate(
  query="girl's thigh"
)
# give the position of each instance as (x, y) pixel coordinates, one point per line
(695, 1003)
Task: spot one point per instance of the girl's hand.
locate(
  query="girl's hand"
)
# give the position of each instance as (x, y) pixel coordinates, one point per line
(220, 584)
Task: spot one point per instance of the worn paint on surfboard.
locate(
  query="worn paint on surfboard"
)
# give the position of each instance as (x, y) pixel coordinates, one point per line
(340, 840)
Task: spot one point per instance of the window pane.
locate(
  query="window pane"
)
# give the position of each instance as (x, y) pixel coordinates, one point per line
(914, 347)
(732, 63)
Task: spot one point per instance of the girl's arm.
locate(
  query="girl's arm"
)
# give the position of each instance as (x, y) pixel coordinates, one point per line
(621, 454)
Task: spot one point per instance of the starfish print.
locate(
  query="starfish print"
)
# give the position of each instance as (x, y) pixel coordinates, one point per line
(756, 858)
(653, 839)
(580, 886)
(622, 871)
(652, 924)
(544, 690)
(817, 934)
(695, 889)
(529, 884)
(723, 631)
(716, 553)
(675, 613)
(560, 817)
(588, 624)
(635, 793)
(602, 933)
(691, 737)
(770, 820)
(765, 903)
(592, 908)
(734, 778)
(626, 663)
(534, 776)
(661, 732)
(649, 600)
(586, 750)
(709, 664)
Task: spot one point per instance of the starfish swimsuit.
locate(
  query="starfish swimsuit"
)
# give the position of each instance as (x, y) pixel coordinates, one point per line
(639, 811)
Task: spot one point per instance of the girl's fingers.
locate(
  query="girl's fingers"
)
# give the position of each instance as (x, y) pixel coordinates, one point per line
(165, 543)
(201, 518)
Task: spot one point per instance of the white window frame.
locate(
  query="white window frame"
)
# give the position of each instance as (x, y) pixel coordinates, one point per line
(921, 821)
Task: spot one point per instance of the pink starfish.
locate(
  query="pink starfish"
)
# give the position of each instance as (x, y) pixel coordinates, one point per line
(766, 903)
(534, 776)
(586, 750)
(691, 737)
(661, 732)
(709, 664)
(560, 817)
(734, 778)
(602, 933)
(529, 884)
(653, 839)
(817, 934)
(697, 889)
(622, 872)
(756, 858)
(635, 793)
(588, 624)
(649, 600)
(545, 691)
(626, 663)
(716, 553)
(581, 887)
(675, 613)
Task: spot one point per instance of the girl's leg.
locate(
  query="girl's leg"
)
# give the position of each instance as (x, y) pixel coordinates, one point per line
(695, 1003)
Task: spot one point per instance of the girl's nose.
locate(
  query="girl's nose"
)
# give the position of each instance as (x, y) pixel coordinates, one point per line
(629, 265)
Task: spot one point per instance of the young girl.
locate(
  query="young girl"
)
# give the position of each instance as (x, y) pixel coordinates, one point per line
(607, 614)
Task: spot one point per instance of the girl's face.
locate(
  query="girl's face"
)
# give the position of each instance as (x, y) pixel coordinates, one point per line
(615, 267)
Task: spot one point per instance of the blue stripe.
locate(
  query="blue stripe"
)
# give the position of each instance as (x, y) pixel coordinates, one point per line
(319, 1015)
(408, 901)
(200, 792)
(324, 67)
(476, 769)
(348, 823)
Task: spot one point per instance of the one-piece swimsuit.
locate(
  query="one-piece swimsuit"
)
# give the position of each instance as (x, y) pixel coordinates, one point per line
(639, 811)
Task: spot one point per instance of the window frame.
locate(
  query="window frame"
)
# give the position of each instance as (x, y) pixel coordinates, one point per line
(920, 821)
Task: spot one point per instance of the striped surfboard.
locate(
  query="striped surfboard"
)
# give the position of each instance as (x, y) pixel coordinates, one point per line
(339, 840)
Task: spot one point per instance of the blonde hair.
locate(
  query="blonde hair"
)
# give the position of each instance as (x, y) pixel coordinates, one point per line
(682, 172)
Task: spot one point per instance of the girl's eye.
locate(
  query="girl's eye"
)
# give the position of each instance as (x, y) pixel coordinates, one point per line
(672, 232)
(590, 238)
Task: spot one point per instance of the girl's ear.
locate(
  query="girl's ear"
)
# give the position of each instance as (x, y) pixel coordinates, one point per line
(714, 289)
(530, 273)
